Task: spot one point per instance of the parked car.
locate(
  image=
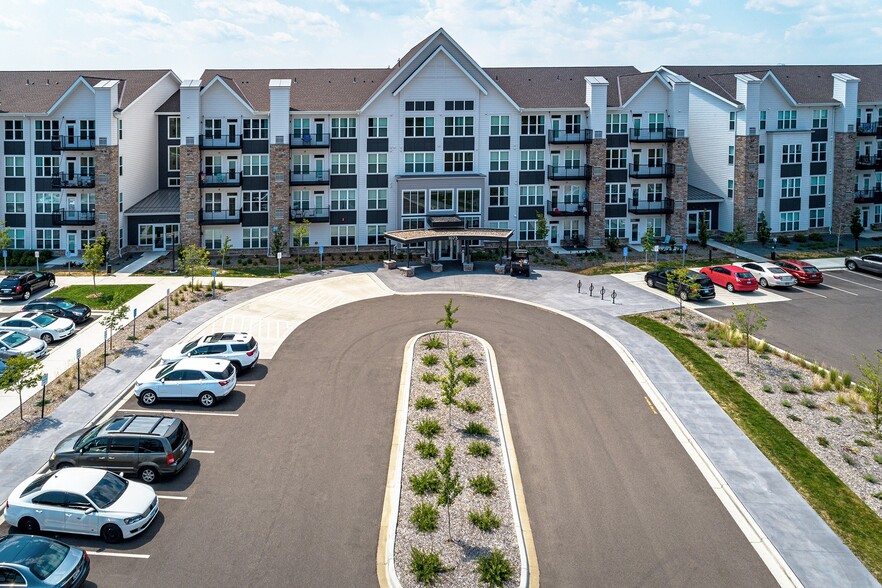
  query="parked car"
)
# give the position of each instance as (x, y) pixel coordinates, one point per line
(24, 284)
(867, 263)
(240, 349)
(192, 378)
(520, 262)
(660, 278)
(731, 277)
(40, 562)
(61, 307)
(85, 501)
(146, 445)
(12, 344)
(39, 325)
(805, 273)
(768, 274)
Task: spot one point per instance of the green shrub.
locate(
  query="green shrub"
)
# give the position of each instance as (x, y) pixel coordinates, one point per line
(430, 378)
(834, 419)
(764, 356)
(846, 379)
(768, 389)
(426, 566)
(789, 389)
(433, 342)
(468, 361)
(427, 449)
(800, 238)
(740, 374)
(479, 449)
(494, 568)
(878, 459)
(871, 478)
(424, 517)
(823, 441)
(483, 484)
(796, 375)
(474, 428)
(863, 442)
(877, 495)
(470, 406)
(808, 403)
(469, 379)
(428, 428)
(485, 520)
(429, 482)
(430, 359)
(786, 404)
(848, 458)
(680, 325)
(815, 237)
(793, 417)
(806, 390)
(783, 240)
(719, 356)
(425, 403)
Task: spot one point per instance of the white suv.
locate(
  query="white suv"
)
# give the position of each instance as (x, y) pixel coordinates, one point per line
(240, 349)
(191, 378)
(39, 325)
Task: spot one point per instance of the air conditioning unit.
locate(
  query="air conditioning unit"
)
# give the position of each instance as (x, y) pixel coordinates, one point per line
(102, 141)
(751, 131)
(190, 140)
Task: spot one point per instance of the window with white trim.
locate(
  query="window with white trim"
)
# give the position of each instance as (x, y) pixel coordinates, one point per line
(343, 199)
(459, 161)
(300, 163)
(440, 200)
(378, 127)
(762, 119)
(655, 192)
(255, 201)
(343, 128)
(731, 121)
(459, 105)
(614, 227)
(656, 225)
(15, 166)
(255, 128)
(413, 202)
(790, 221)
(533, 124)
(46, 166)
(527, 230)
(15, 202)
(214, 238)
(255, 165)
(377, 163)
(468, 201)
(376, 199)
(417, 222)
(299, 127)
(816, 218)
(87, 237)
(300, 199)
(616, 193)
(459, 126)
(498, 195)
(375, 234)
(14, 130)
(533, 195)
(819, 152)
(570, 228)
(343, 163)
(573, 123)
(791, 154)
(174, 159)
(786, 120)
(818, 186)
(418, 163)
(819, 120)
(213, 202)
(760, 188)
(497, 224)
(17, 238)
(731, 154)
(572, 159)
(499, 160)
(790, 187)
(730, 188)
(616, 158)
(616, 124)
(45, 130)
(342, 235)
(174, 127)
(419, 126)
(87, 202)
(499, 125)
(255, 237)
(47, 202)
(419, 105)
(48, 238)
(533, 160)
(145, 235)
(761, 154)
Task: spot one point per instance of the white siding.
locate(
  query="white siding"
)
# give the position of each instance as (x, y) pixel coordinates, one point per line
(79, 105)
(219, 102)
(709, 141)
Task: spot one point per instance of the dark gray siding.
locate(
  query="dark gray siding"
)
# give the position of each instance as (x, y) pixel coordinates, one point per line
(459, 143)
(499, 179)
(255, 146)
(132, 222)
(377, 181)
(532, 177)
(343, 181)
(789, 204)
(14, 184)
(255, 183)
(529, 212)
(818, 168)
(377, 145)
(377, 217)
(13, 147)
(164, 143)
(616, 210)
(791, 170)
(500, 143)
(344, 145)
(343, 217)
(532, 141)
(617, 140)
(819, 201)
(497, 213)
(255, 219)
(419, 144)
(44, 148)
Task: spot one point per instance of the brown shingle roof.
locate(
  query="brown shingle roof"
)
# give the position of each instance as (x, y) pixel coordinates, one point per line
(173, 104)
(36, 91)
(555, 87)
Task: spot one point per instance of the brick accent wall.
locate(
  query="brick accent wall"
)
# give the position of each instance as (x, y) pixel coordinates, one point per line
(746, 175)
(107, 196)
(678, 188)
(280, 195)
(191, 195)
(843, 180)
(596, 193)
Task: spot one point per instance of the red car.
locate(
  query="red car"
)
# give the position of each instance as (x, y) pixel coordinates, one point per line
(805, 273)
(733, 278)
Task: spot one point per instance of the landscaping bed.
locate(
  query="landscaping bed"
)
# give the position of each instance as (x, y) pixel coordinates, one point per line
(103, 297)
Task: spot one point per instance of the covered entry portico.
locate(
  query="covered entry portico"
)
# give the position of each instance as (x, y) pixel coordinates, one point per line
(446, 238)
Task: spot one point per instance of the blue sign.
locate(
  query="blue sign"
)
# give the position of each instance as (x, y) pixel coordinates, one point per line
(321, 249)
(135, 313)
(625, 251)
(214, 273)
(5, 253)
(684, 246)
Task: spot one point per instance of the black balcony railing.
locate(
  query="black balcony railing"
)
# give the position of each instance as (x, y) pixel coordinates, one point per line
(73, 143)
(82, 218)
(73, 181)
(868, 162)
(220, 179)
(665, 170)
(230, 216)
(305, 177)
(559, 137)
(663, 206)
(564, 172)
(867, 128)
(308, 140)
(567, 208)
(868, 195)
(652, 135)
(313, 215)
(217, 141)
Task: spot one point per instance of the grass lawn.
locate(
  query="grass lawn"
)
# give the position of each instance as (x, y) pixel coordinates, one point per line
(855, 523)
(106, 294)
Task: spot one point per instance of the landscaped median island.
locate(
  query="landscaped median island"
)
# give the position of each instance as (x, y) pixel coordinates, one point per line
(456, 525)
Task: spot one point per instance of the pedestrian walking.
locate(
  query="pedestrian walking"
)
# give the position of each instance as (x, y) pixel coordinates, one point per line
(579, 286)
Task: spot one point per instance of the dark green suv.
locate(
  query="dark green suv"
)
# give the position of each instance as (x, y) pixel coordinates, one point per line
(146, 445)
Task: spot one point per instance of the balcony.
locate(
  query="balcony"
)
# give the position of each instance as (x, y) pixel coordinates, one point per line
(82, 218)
(304, 177)
(652, 135)
(313, 215)
(303, 140)
(563, 172)
(567, 208)
(73, 181)
(868, 196)
(217, 141)
(232, 216)
(637, 206)
(559, 137)
(71, 143)
(868, 128)
(665, 170)
(868, 162)
(220, 179)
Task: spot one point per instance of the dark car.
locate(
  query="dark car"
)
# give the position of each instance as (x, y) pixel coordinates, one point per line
(520, 262)
(867, 263)
(24, 284)
(61, 307)
(805, 273)
(660, 278)
(146, 445)
(41, 562)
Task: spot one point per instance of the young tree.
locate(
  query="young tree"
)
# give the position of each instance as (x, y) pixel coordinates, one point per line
(300, 233)
(541, 227)
(612, 243)
(448, 321)
(115, 318)
(5, 240)
(856, 227)
(647, 242)
(277, 245)
(193, 259)
(871, 386)
(703, 232)
(450, 383)
(451, 487)
(750, 321)
(225, 250)
(681, 284)
(105, 245)
(22, 372)
(736, 238)
(93, 258)
(763, 230)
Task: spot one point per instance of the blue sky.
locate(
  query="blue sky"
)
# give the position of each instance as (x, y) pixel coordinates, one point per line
(191, 35)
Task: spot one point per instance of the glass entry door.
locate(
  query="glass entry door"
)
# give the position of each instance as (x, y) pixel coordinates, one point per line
(158, 237)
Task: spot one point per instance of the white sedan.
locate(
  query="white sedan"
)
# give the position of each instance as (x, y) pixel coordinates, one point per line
(39, 325)
(768, 274)
(86, 501)
(12, 344)
(192, 378)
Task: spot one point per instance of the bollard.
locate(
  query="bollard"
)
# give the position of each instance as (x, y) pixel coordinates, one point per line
(602, 292)
(613, 296)
(591, 289)
(579, 287)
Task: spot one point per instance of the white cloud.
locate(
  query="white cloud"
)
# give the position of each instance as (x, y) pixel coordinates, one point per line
(10, 24)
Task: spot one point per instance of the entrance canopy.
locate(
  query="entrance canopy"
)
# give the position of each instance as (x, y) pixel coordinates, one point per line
(411, 236)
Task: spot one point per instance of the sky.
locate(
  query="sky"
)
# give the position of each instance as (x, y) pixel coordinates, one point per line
(189, 36)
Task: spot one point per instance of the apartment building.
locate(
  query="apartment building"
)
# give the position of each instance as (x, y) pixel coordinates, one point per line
(77, 147)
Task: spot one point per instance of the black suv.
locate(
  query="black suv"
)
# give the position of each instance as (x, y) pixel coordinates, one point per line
(660, 278)
(146, 445)
(62, 307)
(24, 284)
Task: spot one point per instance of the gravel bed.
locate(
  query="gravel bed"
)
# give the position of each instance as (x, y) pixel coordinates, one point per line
(810, 412)
(468, 541)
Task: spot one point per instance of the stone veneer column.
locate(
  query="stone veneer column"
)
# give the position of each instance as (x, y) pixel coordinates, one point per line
(280, 195)
(107, 196)
(596, 193)
(843, 180)
(191, 195)
(746, 176)
(678, 188)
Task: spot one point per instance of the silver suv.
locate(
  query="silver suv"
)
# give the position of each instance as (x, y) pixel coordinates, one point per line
(145, 445)
(240, 349)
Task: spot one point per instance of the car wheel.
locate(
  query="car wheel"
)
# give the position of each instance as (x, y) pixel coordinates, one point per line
(47, 338)
(764, 283)
(111, 533)
(851, 265)
(730, 287)
(684, 295)
(206, 399)
(148, 397)
(26, 295)
(52, 282)
(148, 475)
(650, 282)
(28, 525)
(62, 465)
(237, 366)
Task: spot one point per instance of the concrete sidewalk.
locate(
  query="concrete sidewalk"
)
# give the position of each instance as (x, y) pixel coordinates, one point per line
(737, 252)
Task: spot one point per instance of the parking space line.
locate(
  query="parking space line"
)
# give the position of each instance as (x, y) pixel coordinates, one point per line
(841, 290)
(855, 283)
(167, 497)
(808, 292)
(201, 451)
(118, 554)
(246, 385)
(863, 275)
(173, 411)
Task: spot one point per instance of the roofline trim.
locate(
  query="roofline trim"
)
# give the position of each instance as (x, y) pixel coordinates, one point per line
(434, 54)
(153, 85)
(218, 79)
(69, 91)
(737, 105)
(770, 74)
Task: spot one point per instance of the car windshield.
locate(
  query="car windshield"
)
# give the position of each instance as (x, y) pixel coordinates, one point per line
(41, 556)
(809, 268)
(65, 304)
(9, 283)
(87, 436)
(776, 270)
(222, 375)
(744, 275)
(164, 371)
(107, 490)
(44, 320)
(15, 339)
(189, 346)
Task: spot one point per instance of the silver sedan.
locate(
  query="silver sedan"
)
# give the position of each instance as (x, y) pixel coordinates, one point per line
(867, 263)
(768, 274)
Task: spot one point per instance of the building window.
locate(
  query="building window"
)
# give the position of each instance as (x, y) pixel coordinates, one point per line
(212, 202)
(499, 161)
(440, 200)
(573, 123)
(45, 130)
(48, 238)
(459, 161)
(417, 163)
(87, 202)
(419, 126)
(533, 160)
(343, 128)
(570, 228)
(818, 186)
(616, 158)
(533, 124)
(819, 121)
(762, 115)
(655, 225)
(731, 121)
(413, 202)
(255, 201)
(342, 235)
(731, 154)
(174, 127)
(527, 230)
(468, 201)
(791, 154)
(119, 129)
(459, 126)
(214, 238)
(299, 127)
(819, 152)
(375, 234)
(376, 199)
(47, 202)
(15, 202)
(87, 166)
(790, 187)
(255, 237)
(498, 195)
(255, 128)
(499, 126)
(343, 199)
(614, 227)
(145, 235)
(730, 188)
(300, 199)
(300, 163)
(760, 188)
(790, 221)
(343, 163)
(816, 218)
(120, 166)
(533, 195)
(14, 130)
(762, 154)
(255, 165)
(616, 193)
(616, 124)
(377, 163)
(174, 159)
(459, 105)
(87, 237)
(15, 166)
(17, 237)
(46, 166)
(497, 224)
(378, 127)
(419, 105)
(786, 119)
